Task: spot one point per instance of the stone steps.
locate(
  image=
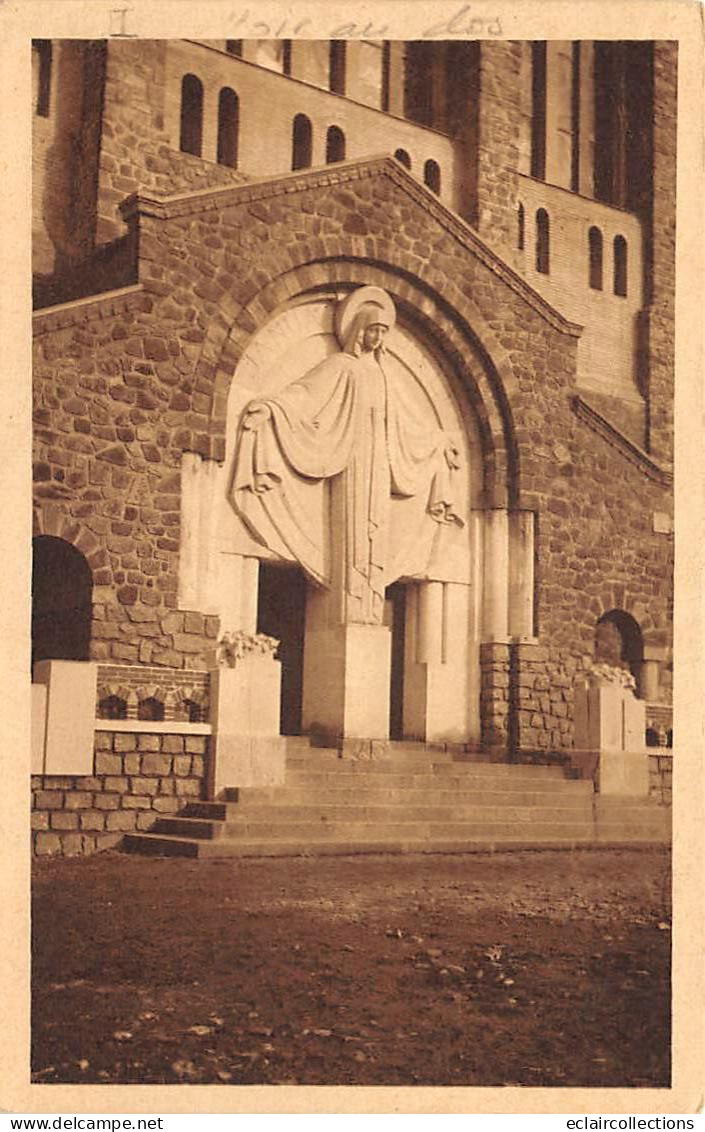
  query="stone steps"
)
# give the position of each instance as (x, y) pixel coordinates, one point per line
(337, 816)
(191, 847)
(625, 821)
(409, 798)
(253, 797)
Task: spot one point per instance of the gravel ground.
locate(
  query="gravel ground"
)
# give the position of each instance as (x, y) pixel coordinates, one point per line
(527, 968)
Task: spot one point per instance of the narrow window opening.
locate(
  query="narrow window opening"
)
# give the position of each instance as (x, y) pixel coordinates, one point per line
(191, 136)
(432, 176)
(337, 66)
(228, 127)
(42, 61)
(335, 145)
(575, 121)
(386, 73)
(595, 252)
(234, 47)
(521, 228)
(538, 110)
(542, 242)
(302, 143)
(286, 56)
(620, 266)
(403, 156)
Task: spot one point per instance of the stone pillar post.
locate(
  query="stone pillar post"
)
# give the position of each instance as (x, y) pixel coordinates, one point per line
(521, 574)
(69, 713)
(248, 750)
(346, 682)
(495, 621)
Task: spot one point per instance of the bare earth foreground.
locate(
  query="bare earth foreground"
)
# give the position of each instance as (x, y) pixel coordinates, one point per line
(533, 968)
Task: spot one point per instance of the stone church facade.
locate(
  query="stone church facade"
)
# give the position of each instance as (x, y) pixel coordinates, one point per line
(202, 211)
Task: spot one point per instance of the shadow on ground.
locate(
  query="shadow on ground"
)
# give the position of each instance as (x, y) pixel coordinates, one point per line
(529, 968)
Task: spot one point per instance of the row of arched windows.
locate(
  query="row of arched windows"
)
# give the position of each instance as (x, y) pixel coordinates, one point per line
(191, 134)
(431, 170)
(619, 262)
(149, 709)
(191, 127)
(542, 251)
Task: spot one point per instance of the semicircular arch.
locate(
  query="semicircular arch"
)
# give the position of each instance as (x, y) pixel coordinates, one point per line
(463, 338)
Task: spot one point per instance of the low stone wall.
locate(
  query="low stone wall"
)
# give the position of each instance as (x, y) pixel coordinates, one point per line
(137, 778)
(661, 776)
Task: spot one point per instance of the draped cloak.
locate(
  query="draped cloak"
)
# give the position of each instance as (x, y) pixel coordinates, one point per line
(343, 418)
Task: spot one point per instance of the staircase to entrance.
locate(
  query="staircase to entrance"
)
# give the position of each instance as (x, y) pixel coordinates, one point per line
(409, 798)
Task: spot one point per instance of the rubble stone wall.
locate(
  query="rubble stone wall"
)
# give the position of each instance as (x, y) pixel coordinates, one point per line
(124, 387)
(137, 778)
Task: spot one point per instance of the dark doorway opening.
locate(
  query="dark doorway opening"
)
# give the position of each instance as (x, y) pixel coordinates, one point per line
(395, 601)
(62, 589)
(281, 613)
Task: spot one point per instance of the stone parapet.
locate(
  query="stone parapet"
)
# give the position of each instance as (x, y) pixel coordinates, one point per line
(137, 778)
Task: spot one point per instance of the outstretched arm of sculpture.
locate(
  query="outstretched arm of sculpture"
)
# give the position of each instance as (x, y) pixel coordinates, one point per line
(256, 414)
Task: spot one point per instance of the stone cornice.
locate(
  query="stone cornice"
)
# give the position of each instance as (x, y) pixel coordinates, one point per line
(636, 455)
(201, 200)
(81, 310)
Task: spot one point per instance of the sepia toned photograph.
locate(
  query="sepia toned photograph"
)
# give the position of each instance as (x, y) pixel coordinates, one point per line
(352, 582)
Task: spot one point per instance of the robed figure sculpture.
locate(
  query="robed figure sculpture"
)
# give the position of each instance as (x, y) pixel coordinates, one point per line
(347, 421)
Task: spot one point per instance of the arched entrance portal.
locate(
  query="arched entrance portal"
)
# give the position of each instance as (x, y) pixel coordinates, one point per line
(403, 660)
(62, 586)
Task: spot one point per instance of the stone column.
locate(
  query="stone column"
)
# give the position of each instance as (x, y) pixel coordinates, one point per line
(440, 678)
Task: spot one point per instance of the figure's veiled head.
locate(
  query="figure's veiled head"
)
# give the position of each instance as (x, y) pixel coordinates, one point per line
(363, 320)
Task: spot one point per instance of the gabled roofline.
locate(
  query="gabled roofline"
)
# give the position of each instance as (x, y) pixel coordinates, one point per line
(200, 200)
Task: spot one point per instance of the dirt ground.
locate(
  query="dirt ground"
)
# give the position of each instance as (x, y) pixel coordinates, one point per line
(531, 968)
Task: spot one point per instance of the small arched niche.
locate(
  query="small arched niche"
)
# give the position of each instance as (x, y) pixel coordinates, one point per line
(619, 643)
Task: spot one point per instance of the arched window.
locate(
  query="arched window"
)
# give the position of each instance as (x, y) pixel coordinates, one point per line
(521, 228)
(335, 145)
(41, 68)
(595, 254)
(403, 156)
(432, 176)
(228, 127)
(191, 137)
(151, 709)
(302, 143)
(336, 80)
(62, 595)
(620, 265)
(112, 707)
(543, 251)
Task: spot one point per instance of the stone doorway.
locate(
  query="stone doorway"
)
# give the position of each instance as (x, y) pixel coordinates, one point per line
(281, 613)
